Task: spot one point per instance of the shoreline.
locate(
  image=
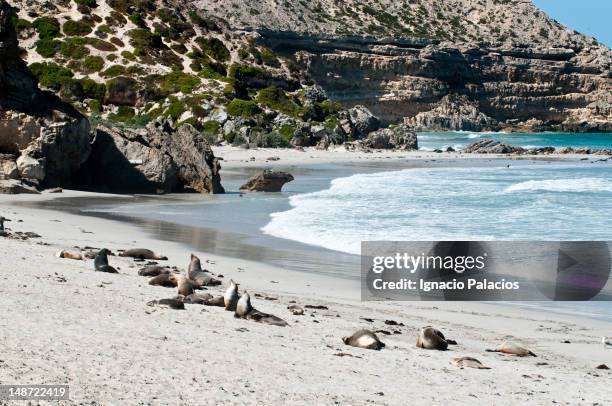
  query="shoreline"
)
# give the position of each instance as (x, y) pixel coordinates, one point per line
(135, 348)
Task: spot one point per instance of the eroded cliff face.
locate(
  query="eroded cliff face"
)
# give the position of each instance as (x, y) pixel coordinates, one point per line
(45, 139)
(566, 89)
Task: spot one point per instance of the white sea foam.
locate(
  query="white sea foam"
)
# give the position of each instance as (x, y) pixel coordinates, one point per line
(563, 185)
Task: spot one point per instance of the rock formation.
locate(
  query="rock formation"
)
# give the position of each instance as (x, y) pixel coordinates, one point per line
(492, 147)
(267, 181)
(45, 139)
(156, 159)
(400, 137)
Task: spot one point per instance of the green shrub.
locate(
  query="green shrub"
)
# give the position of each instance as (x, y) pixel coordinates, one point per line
(93, 89)
(123, 114)
(47, 48)
(20, 24)
(272, 140)
(141, 38)
(178, 81)
(92, 64)
(242, 108)
(95, 106)
(47, 27)
(175, 110)
(276, 99)
(74, 28)
(212, 127)
(269, 58)
(100, 45)
(214, 48)
(287, 131)
(329, 107)
(50, 75)
(114, 71)
(88, 3)
(74, 48)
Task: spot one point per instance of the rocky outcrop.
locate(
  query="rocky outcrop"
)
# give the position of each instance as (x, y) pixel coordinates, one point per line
(156, 159)
(358, 122)
(400, 137)
(492, 147)
(267, 181)
(456, 113)
(49, 139)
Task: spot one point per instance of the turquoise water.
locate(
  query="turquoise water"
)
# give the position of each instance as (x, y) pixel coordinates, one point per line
(546, 202)
(441, 140)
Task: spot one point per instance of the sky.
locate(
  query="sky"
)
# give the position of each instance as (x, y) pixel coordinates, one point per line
(591, 17)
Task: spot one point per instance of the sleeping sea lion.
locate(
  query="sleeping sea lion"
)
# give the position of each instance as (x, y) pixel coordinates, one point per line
(431, 339)
(142, 253)
(296, 310)
(198, 276)
(468, 362)
(245, 310)
(364, 339)
(511, 348)
(184, 284)
(101, 262)
(165, 280)
(154, 270)
(69, 255)
(230, 298)
(197, 298)
(175, 303)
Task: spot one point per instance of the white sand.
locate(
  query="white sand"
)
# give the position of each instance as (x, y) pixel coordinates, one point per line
(95, 332)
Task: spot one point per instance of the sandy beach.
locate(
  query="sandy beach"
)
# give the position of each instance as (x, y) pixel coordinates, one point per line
(66, 324)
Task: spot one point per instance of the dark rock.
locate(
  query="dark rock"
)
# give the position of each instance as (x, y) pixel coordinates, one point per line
(492, 147)
(157, 159)
(267, 181)
(602, 366)
(122, 91)
(358, 122)
(314, 94)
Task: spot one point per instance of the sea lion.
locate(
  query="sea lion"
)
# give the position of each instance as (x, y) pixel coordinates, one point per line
(198, 276)
(3, 232)
(364, 339)
(165, 280)
(295, 310)
(606, 342)
(431, 339)
(184, 284)
(142, 253)
(101, 262)
(154, 270)
(69, 255)
(245, 310)
(512, 348)
(197, 298)
(230, 298)
(468, 362)
(175, 303)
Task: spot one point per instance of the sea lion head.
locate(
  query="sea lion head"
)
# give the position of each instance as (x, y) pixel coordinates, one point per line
(105, 251)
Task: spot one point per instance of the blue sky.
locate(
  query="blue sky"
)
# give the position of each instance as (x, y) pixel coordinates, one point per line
(591, 17)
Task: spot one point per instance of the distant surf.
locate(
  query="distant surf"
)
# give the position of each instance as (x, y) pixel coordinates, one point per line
(552, 202)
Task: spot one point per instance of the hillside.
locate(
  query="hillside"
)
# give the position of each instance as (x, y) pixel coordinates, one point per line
(246, 68)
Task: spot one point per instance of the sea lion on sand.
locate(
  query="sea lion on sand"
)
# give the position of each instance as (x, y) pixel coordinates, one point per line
(245, 310)
(295, 310)
(154, 270)
(230, 298)
(173, 303)
(142, 253)
(198, 276)
(468, 362)
(364, 339)
(184, 284)
(197, 298)
(69, 255)
(3, 233)
(101, 262)
(511, 348)
(165, 280)
(431, 339)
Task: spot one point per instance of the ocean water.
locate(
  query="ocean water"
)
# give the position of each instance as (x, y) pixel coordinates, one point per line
(534, 202)
(460, 139)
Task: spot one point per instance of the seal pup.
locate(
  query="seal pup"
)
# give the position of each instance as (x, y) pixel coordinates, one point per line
(295, 310)
(364, 339)
(245, 310)
(431, 339)
(197, 298)
(230, 298)
(153, 270)
(184, 284)
(69, 255)
(142, 253)
(198, 276)
(165, 280)
(511, 348)
(101, 262)
(468, 362)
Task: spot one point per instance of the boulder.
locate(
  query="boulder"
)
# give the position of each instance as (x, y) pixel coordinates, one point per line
(156, 159)
(14, 186)
(267, 181)
(492, 147)
(8, 167)
(314, 94)
(400, 137)
(358, 122)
